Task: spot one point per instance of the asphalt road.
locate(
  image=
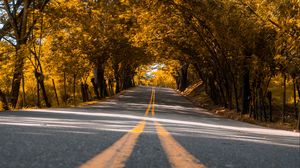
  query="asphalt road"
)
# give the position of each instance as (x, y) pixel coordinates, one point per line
(145, 127)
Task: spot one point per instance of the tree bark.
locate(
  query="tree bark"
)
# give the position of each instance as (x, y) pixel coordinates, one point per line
(40, 78)
(4, 100)
(38, 101)
(74, 89)
(237, 106)
(95, 88)
(17, 77)
(284, 98)
(105, 88)
(83, 92)
(246, 91)
(57, 101)
(23, 92)
(65, 88)
(246, 81)
(86, 90)
(269, 95)
(48, 104)
(117, 85)
(295, 99)
(117, 77)
(183, 84)
(298, 123)
(298, 88)
(100, 80)
(111, 87)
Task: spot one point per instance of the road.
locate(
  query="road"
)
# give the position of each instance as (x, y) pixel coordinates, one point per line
(144, 127)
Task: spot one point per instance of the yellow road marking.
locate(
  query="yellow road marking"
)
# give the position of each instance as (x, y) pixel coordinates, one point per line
(116, 155)
(177, 155)
(153, 102)
(149, 105)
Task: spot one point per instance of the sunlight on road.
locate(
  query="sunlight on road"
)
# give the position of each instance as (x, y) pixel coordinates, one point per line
(250, 130)
(177, 127)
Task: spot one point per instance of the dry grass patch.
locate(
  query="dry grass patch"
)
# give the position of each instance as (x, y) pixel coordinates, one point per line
(196, 94)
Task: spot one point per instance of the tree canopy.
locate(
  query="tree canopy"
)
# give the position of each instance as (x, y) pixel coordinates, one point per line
(93, 49)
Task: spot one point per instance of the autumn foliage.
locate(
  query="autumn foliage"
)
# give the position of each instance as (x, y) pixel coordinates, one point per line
(65, 51)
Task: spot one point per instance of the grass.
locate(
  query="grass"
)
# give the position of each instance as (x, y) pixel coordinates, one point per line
(79, 104)
(196, 94)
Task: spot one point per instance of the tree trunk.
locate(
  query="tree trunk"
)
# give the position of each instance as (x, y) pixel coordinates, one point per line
(269, 95)
(298, 88)
(117, 78)
(246, 92)
(237, 106)
(246, 81)
(213, 92)
(4, 100)
(183, 84)
(105, 88)
(18, 19)
(17, 77)
(95, 88)
(48, 104)
(57, 101)
(128, 81)
(40, 78)
(23, 92)
(295, 99)
(86, 90)
(38, 101)
(65, 88)
(261, 103)
(264, 110)
(83, 92)
(101, 80)
(223, 97)
(111, 87)
(298, 124)
(284, 98)
(117, 84)
(74, 89)
(177, 79)
(229, 95)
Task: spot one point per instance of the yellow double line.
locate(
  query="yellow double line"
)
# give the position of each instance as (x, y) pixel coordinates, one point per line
(116, 155)
(151, 103)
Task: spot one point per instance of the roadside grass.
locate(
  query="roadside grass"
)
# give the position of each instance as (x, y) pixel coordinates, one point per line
(196, 94)
(276, 87)
(70, 104)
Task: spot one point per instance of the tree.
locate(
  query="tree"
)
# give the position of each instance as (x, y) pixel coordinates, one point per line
(16, 30)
